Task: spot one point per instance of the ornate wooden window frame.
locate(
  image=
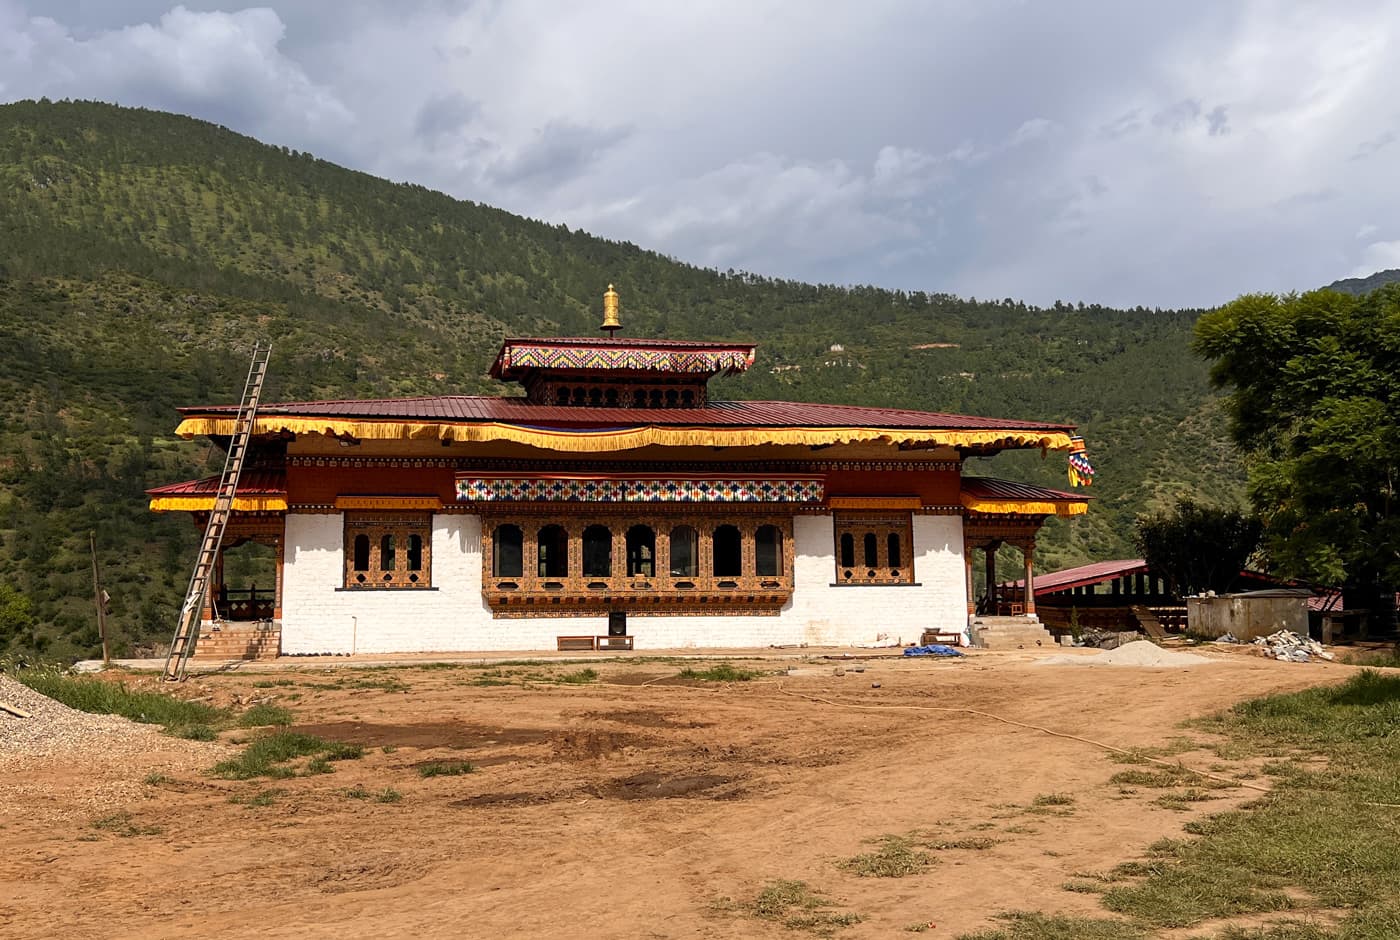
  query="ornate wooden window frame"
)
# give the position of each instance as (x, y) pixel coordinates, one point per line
(661, 594)
(860, 525)
(400, 525)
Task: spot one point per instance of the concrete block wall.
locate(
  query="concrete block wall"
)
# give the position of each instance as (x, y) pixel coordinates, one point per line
(320, 616)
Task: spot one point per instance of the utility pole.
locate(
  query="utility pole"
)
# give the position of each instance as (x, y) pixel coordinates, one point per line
(101, 597)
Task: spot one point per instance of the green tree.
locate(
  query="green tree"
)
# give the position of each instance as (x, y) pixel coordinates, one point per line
(1196, 547)
(1316, 407)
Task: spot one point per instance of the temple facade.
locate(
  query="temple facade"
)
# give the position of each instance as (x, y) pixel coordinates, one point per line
(616, 503)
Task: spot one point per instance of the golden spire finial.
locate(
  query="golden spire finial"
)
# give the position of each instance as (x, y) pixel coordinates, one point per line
(611, 306)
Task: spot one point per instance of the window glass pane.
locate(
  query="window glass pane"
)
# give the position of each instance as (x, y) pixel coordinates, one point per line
(508, 547)
(894, 555)
(597, 552)
(871, 552)
(768, 551)
(553, 552)
(848, 550)
(728, 552)
(386, 553)
(685, 552)
(641, 552)
(362, 553)
(415, 553)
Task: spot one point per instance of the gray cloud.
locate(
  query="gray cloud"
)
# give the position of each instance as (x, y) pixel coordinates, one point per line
(1124, 153)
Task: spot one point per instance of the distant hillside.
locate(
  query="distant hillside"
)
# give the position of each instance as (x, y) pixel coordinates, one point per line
(1364, 285)
(142, 253)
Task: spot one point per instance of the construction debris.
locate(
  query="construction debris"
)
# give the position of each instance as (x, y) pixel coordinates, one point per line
(1140, 653)
(1287, 646)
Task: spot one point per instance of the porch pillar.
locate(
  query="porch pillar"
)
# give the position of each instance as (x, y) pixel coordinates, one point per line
(214, 587)
(1028, 551)
(991, 556)
(971, 590)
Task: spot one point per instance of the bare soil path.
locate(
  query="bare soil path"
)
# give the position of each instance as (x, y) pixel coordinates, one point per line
(633, 806)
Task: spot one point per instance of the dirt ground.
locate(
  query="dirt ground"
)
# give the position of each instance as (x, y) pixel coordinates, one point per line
(640, 805)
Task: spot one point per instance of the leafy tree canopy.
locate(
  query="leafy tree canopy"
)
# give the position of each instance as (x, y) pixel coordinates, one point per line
(1198, 548)
(1316, 406)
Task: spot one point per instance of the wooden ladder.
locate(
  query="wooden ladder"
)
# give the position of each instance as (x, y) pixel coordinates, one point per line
(187, 629)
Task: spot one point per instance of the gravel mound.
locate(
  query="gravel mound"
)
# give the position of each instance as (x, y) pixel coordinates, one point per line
(55, 729)
(1140, 653)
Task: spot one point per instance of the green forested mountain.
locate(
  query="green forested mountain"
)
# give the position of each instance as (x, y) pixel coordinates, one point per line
(142, 253)
(1364, 285)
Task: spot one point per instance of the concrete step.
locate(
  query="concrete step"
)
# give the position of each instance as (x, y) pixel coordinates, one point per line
(239, 641)
(1000, 633)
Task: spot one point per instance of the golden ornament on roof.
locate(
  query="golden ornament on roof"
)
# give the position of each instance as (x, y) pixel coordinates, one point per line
(611, 306)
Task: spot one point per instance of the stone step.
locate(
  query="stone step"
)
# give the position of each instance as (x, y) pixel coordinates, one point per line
(242, 641)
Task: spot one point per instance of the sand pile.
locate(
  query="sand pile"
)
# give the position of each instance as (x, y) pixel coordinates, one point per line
(1141, 653)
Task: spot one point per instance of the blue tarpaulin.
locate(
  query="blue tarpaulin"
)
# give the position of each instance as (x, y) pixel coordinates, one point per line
(933, 649)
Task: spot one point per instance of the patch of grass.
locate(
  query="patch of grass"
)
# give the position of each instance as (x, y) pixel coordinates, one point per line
(268, 755)
(272, 683)
(261, 798)
(388, 795)
(100, 697)
(155, 779)
(264, 714)
(579, 677)
(724, 672)
(1084, 887)
(974, 843)
(1311, 842)
(387, 684)
(121, 824)
(796, 906)
(1025, 925)
(895, 857)
(357, 792)
(1376, 659)
(195, 733)
(446, 768)
(1166, 777)
(1053, 799)
(1182, 801)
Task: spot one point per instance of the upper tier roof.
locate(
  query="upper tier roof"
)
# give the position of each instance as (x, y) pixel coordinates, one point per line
(604, 355)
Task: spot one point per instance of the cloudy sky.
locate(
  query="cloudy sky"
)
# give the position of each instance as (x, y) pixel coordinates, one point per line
(1164, 154)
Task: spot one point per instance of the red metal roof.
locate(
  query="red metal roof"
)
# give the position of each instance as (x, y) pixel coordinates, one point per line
(479, 408)
(250, 483)
(993, 488)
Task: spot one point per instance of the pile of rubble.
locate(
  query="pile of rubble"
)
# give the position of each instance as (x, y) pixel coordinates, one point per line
(1290, 647)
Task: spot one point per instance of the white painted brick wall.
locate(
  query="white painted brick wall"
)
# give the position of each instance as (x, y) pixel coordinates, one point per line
(318, 618)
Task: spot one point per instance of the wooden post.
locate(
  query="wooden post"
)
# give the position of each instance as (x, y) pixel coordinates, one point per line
(971, 589)
(100, 597)
(991, 556)
(1029, 552)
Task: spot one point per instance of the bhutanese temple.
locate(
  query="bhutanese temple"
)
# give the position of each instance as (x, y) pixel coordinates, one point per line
(617, 502)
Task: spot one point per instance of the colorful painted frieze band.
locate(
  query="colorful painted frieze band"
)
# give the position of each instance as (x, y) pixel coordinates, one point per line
(478, 489)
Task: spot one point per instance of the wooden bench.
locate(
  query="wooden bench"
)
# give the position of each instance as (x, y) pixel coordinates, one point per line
(938, 636)
(614, 642)
(576, 643)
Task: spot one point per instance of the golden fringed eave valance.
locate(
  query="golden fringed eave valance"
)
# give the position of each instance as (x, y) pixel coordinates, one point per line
(617, 439)
(1025, 507)
(206, 503)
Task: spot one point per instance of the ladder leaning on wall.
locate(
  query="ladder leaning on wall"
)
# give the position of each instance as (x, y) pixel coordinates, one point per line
(187, 629)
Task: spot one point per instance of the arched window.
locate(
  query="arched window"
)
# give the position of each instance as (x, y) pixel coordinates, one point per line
(685, 552)
(415, 552)
(597, 552)
(386, 556)
(553, 544)
(848, 550)
(895, 558)
(871, 550)
(641, 552)
(728, 552)
(362, 553)
(509, 553)
(768, 551)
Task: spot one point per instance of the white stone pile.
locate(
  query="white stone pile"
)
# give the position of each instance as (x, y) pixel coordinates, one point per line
(53, 728)
(1290, 647)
